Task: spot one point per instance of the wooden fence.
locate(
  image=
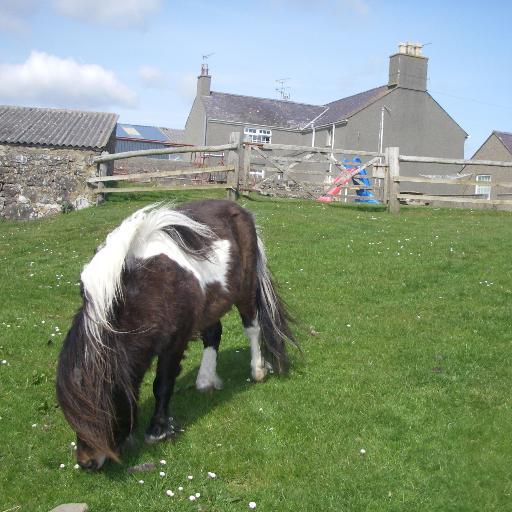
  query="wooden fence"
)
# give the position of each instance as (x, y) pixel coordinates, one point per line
(244, 159)
(394, 177)
(230, 169)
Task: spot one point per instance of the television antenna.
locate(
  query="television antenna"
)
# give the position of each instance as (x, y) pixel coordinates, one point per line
(204, 65)
(282, 89)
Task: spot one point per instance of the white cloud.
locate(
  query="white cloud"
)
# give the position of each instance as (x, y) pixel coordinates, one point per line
(152, 77)
(120, 13)
(52, 81)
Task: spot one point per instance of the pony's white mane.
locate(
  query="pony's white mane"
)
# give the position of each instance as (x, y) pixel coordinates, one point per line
(101, 277)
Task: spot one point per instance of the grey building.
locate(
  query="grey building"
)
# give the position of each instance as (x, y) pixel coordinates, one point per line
(45, 158)
(498, 147)
(134, 137)
(400, 113)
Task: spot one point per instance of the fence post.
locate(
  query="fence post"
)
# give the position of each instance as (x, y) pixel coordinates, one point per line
(102, 171)
(246, 165)
(493, 195)
(393, 171)
(233, 178)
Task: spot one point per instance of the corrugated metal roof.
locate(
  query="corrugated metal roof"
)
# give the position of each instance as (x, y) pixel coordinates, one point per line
(259, 111)
(142, 132)
(55, 127)
(149, 133)
(506, 139)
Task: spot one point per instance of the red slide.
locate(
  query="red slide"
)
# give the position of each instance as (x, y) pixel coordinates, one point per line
(339, 183)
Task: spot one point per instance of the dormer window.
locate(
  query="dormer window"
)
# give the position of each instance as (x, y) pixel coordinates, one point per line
(257, 135)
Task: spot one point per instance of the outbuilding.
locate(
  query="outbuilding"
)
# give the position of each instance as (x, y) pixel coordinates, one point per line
(46, 156)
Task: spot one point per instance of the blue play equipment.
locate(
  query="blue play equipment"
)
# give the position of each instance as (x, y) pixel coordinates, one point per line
(366, 195)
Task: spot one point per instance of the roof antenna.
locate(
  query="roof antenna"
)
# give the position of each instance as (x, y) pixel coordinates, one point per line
(204, 65)
(282, 89)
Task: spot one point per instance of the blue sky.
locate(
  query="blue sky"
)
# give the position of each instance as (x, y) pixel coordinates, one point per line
(140, 58)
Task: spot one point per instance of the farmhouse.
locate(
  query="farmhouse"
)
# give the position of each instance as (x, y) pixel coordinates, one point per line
(45, 158)
(399, 113)
(498, 147)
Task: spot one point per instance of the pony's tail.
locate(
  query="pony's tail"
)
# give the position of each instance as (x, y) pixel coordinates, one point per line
(273, 317)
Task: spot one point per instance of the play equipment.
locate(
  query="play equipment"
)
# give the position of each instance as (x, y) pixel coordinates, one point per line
(349, 171)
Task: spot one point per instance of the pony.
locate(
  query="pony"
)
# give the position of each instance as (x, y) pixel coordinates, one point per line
(165, 276)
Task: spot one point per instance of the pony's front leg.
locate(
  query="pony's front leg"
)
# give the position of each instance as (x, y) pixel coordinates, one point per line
(163, 426)
(207, 377)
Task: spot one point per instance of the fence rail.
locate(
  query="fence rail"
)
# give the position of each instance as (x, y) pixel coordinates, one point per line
(162, 174)
(168, 151)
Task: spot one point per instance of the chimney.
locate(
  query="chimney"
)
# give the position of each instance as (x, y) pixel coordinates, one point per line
(204, 81)
(408, 67)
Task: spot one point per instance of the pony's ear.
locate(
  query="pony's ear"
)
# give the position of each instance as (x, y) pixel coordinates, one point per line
(76, 376)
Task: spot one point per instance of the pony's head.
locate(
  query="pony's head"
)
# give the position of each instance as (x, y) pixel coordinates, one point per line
(94, 396)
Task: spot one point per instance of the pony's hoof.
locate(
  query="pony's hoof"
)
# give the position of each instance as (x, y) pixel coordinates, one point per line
(161, 431)
(259, 373)
(208, 383)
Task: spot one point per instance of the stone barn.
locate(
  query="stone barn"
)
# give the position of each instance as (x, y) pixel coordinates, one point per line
(45, 158)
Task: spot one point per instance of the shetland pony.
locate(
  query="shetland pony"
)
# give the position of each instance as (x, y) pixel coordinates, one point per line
(162, 278)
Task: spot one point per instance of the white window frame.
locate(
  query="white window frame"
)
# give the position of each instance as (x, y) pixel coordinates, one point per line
(483, 189)
(257, 135)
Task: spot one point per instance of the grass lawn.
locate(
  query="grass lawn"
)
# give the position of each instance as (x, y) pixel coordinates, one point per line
(405, 324)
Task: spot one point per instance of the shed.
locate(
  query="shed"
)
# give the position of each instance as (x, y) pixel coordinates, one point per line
(134, 137)
(45, 158)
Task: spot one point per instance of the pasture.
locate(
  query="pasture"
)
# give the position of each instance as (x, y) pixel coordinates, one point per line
(405, 325)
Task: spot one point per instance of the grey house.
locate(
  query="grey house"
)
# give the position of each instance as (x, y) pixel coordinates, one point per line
(400, 113)
(45, 158)
(498, 147)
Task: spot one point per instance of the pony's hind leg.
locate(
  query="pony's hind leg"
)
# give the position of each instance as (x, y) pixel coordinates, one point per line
(252, 330)
(207, 377)
(163, 426)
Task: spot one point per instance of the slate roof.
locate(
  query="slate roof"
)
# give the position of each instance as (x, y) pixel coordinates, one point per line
(286, 114)
(55, 127)
(505, 138)
(346, 107)
(259, 111)
(174, 135)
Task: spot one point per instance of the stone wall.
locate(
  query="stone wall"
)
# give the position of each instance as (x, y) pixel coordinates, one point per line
(37, 182)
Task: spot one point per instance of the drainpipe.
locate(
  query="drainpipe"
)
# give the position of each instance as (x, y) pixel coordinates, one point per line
(332, 145)
(381, 131)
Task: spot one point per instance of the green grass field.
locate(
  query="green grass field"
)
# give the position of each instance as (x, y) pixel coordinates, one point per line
(405, 325)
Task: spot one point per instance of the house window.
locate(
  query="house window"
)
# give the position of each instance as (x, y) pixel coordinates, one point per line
(258, 135)
(484, 190)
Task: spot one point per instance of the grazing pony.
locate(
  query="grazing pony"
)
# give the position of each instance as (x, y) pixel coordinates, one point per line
(162, 278)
